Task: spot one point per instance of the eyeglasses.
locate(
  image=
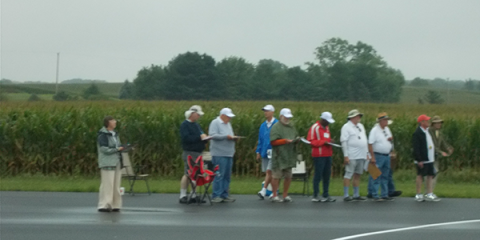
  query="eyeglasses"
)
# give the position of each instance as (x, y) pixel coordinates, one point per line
(386, 135)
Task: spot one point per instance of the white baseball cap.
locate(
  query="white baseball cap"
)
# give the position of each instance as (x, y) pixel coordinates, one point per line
(228, 112)
(286, 112)
(269, 108)
(327, 116)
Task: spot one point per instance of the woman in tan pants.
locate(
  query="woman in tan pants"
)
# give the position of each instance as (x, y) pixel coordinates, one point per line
(109, 148)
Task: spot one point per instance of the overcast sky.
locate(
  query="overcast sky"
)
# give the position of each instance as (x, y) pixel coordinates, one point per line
(112, 39)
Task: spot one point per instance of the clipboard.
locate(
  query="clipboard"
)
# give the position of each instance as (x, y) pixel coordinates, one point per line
(374, 171)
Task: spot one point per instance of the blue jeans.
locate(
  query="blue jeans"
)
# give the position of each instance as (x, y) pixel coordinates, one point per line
(221, 183)
(323, 170)
(391, 184)
(383, 163)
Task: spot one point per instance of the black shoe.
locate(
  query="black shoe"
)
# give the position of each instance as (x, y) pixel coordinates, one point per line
(183, 200)
(348, 199)
(388, 198)
(116, 210)
(360, 199)
(369, 196)
(395, 194)
(104, 210)
(378, 199)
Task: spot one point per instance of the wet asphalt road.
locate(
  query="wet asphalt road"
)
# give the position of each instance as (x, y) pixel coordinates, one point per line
(73, 216)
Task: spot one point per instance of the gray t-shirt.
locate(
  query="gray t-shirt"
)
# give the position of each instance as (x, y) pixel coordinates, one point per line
(220, 146)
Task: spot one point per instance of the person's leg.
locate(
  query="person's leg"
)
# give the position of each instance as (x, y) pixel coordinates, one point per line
(358, 171)
(287, 181)
(385, 169)
(435, 177)
(370, 186)
(117, 182)
(276, 175)
(419, 183)
(391, 184)
(316, 176)
(429, 184)
(356, 184)
(227, 178)
(184, 180)
(106, 189)
(218, 181)
(349, 169)
(326, 173)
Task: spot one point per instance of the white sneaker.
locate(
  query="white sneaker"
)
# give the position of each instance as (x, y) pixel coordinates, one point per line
(432, 198)
(419, 198)
(315, 199)
(262, 193)
(288, 199)
(277, 199)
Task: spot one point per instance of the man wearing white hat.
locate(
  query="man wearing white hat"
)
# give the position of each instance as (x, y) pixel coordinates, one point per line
(264, 148)
(222, 149)
(319, 137)
(355, 152)
(193, 144)
(283, 137)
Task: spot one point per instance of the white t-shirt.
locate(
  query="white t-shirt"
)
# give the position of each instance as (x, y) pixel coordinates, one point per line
(378, 137)
(114, 138)
(430, 146)
(355, 138)
(269, 124)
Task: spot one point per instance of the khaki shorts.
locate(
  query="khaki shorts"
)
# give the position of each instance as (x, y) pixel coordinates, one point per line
(279, 173)
(355, 166)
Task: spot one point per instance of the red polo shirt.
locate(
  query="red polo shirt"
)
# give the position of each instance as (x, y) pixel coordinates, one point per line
(318, 136)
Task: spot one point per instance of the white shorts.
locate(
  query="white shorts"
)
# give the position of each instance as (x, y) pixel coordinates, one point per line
(355, 166)
(266, 164)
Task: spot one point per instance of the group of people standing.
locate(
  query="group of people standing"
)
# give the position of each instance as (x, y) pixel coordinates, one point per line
(276, 149)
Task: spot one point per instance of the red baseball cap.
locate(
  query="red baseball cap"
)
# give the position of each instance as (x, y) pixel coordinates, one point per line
(423, 117)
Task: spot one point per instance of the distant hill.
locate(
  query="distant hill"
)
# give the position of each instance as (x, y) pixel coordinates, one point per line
(82, 81)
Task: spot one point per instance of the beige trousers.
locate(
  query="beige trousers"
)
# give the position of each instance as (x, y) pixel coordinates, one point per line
(109, 195)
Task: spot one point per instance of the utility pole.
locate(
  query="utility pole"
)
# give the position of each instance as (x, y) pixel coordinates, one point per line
(58, 63)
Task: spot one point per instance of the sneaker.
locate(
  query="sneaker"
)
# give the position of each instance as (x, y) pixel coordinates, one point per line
(261, 194)
(432, 198)
(287, 199)
(378, 199)
(183, 200)
(277, 199)
(395, 194)
(229, 200)
(388, 199)
(419, 198)
(348, 199)
(217, 200)
(197, 200)
(369, 196)
(104, 210)
(360, 199)
(315, 199)
(328, 199)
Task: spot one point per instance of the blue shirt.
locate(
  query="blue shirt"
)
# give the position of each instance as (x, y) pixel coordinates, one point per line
(264, 139)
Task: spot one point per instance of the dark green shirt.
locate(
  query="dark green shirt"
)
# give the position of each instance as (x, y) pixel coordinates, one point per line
(283, 156)
(439, 141)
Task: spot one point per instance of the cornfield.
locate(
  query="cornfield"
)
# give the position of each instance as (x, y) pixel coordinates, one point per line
(60, 138)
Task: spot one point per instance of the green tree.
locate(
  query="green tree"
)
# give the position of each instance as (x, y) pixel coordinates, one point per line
(419, 82)
(236, 75)
(193, 76)
(34, 98)
(92, 90)
(61, 96)
(355, 72)
(127, 91)
(433, 97)
(267, 82)
(470, 85)
(299, 85)
(149, 83)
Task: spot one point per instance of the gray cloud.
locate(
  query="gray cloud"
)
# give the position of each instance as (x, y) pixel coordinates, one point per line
(112, 40)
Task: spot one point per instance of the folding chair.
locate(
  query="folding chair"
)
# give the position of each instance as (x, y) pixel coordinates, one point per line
(199, 176)
(300, 173)
(131, 175)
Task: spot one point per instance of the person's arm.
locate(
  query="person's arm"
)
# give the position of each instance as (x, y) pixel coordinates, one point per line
(103, 145)
(312, 138)
(214, 131)
(447, 147)
(187, 136)
(259, 143)
(279, 142)
(343, 140)
(416, 147)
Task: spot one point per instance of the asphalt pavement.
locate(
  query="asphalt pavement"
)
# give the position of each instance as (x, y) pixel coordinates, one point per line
(73, 216)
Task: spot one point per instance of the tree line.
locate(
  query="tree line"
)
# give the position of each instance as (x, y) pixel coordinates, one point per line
(341, 72)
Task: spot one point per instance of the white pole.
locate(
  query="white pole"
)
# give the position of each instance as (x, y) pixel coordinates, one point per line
(58, 63)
